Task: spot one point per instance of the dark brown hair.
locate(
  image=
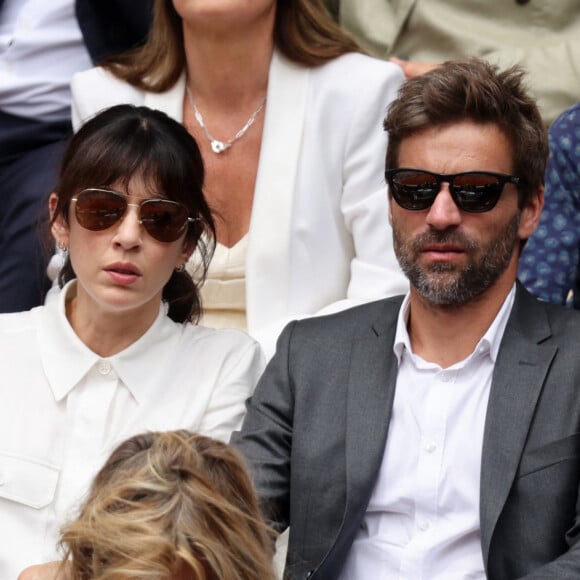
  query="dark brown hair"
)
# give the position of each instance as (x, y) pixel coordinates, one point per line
(125, 141)
(303, 31)
(473, 90)
(170, 501)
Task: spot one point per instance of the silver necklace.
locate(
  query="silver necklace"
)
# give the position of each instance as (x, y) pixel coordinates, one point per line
(218, 146)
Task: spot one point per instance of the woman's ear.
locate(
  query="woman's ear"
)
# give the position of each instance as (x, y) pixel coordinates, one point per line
(188, 249)
(59, 227)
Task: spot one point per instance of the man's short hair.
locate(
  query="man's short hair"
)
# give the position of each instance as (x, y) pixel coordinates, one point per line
(473, 90)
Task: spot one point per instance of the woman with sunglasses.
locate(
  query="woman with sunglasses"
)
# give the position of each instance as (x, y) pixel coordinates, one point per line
(113, 353)
(288, 115)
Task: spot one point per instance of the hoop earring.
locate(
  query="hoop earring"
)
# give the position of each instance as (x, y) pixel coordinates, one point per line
(180, 268)
(62, 247)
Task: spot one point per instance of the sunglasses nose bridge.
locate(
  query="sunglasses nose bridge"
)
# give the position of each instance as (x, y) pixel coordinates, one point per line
(445, 183)
(137, 209)
(444, 211)
(129, 229)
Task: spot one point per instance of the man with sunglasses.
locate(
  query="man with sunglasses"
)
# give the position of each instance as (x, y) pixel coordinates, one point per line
(436, 435)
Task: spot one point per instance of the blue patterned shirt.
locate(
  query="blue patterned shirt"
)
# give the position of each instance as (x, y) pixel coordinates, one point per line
(549, 265)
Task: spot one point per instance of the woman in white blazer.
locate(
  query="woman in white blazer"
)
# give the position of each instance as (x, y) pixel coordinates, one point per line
(288, 116)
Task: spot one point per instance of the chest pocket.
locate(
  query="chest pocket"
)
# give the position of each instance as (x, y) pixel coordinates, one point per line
(550, 454)
(26, 481)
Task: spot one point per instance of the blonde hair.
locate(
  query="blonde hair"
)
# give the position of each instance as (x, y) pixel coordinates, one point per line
(170, 502)
(303, 31)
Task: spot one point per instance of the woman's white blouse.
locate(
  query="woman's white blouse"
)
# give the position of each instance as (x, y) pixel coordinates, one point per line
(63, 409)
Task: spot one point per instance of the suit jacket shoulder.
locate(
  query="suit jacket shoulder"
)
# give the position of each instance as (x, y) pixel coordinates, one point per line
(373, 318)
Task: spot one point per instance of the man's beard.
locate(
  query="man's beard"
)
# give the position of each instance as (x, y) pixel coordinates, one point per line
(446, 284)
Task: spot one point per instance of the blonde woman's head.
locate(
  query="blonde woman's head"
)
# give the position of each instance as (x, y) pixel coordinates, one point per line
(170, 505)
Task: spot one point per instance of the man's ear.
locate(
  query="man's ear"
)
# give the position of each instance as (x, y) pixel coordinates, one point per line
(59, 228)
(530, 214)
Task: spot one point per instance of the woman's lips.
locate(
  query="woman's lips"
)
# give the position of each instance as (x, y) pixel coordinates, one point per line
(123, 273)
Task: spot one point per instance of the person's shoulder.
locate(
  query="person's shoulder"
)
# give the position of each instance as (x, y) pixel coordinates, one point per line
(102, 79)
(18, 322)
(361, 83)
(563, 320)
(356, 321)
(96, 89)
(214, 342)
(354, 66)
(19, 336)
(539, 318)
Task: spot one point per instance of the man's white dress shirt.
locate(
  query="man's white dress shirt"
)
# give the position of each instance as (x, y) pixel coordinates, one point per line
(63, 409)
(422, 521)
(41, 47)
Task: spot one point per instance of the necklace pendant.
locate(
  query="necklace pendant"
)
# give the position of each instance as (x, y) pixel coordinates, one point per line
(219, 146)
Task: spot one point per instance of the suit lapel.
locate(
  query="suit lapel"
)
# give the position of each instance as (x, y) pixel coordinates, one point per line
(270, 228)
(519, 375)
(371, 391)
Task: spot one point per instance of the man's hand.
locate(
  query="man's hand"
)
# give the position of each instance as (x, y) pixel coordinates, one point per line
(413, 68)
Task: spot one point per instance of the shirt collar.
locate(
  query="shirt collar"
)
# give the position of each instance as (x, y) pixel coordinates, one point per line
(67, 360)
(489, 342)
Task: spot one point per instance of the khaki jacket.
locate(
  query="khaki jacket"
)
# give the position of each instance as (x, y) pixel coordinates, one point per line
(543, 36)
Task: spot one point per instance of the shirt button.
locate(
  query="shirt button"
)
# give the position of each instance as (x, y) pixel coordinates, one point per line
(431, 447)
(104, 367)
(424, 525)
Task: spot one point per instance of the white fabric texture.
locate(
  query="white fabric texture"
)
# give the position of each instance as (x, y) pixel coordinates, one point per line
(64, 409)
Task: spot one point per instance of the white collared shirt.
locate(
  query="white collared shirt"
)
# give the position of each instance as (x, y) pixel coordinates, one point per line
(422, 521)
(63, 409)
(41, 47)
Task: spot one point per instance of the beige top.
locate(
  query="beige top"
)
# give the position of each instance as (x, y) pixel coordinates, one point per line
(223, 295)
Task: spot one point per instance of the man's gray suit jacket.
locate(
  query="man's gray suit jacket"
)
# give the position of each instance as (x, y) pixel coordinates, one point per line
(317, 424)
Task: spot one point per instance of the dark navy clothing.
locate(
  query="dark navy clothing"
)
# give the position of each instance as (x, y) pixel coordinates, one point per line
(30, 152)
(549, 265)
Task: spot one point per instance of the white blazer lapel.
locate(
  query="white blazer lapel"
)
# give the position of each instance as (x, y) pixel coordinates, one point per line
(170, 102)
(268, 255)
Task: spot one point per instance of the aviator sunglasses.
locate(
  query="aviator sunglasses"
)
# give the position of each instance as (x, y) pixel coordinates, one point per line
(472, 191)
(99, 209)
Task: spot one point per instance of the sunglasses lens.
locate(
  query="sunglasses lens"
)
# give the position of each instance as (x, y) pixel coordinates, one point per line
(163, 219)
(477, 192)
(414, 190)
(98, 210)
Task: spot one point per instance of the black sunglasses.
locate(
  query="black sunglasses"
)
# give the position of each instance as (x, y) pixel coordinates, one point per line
(99, 209)
(472, 191)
